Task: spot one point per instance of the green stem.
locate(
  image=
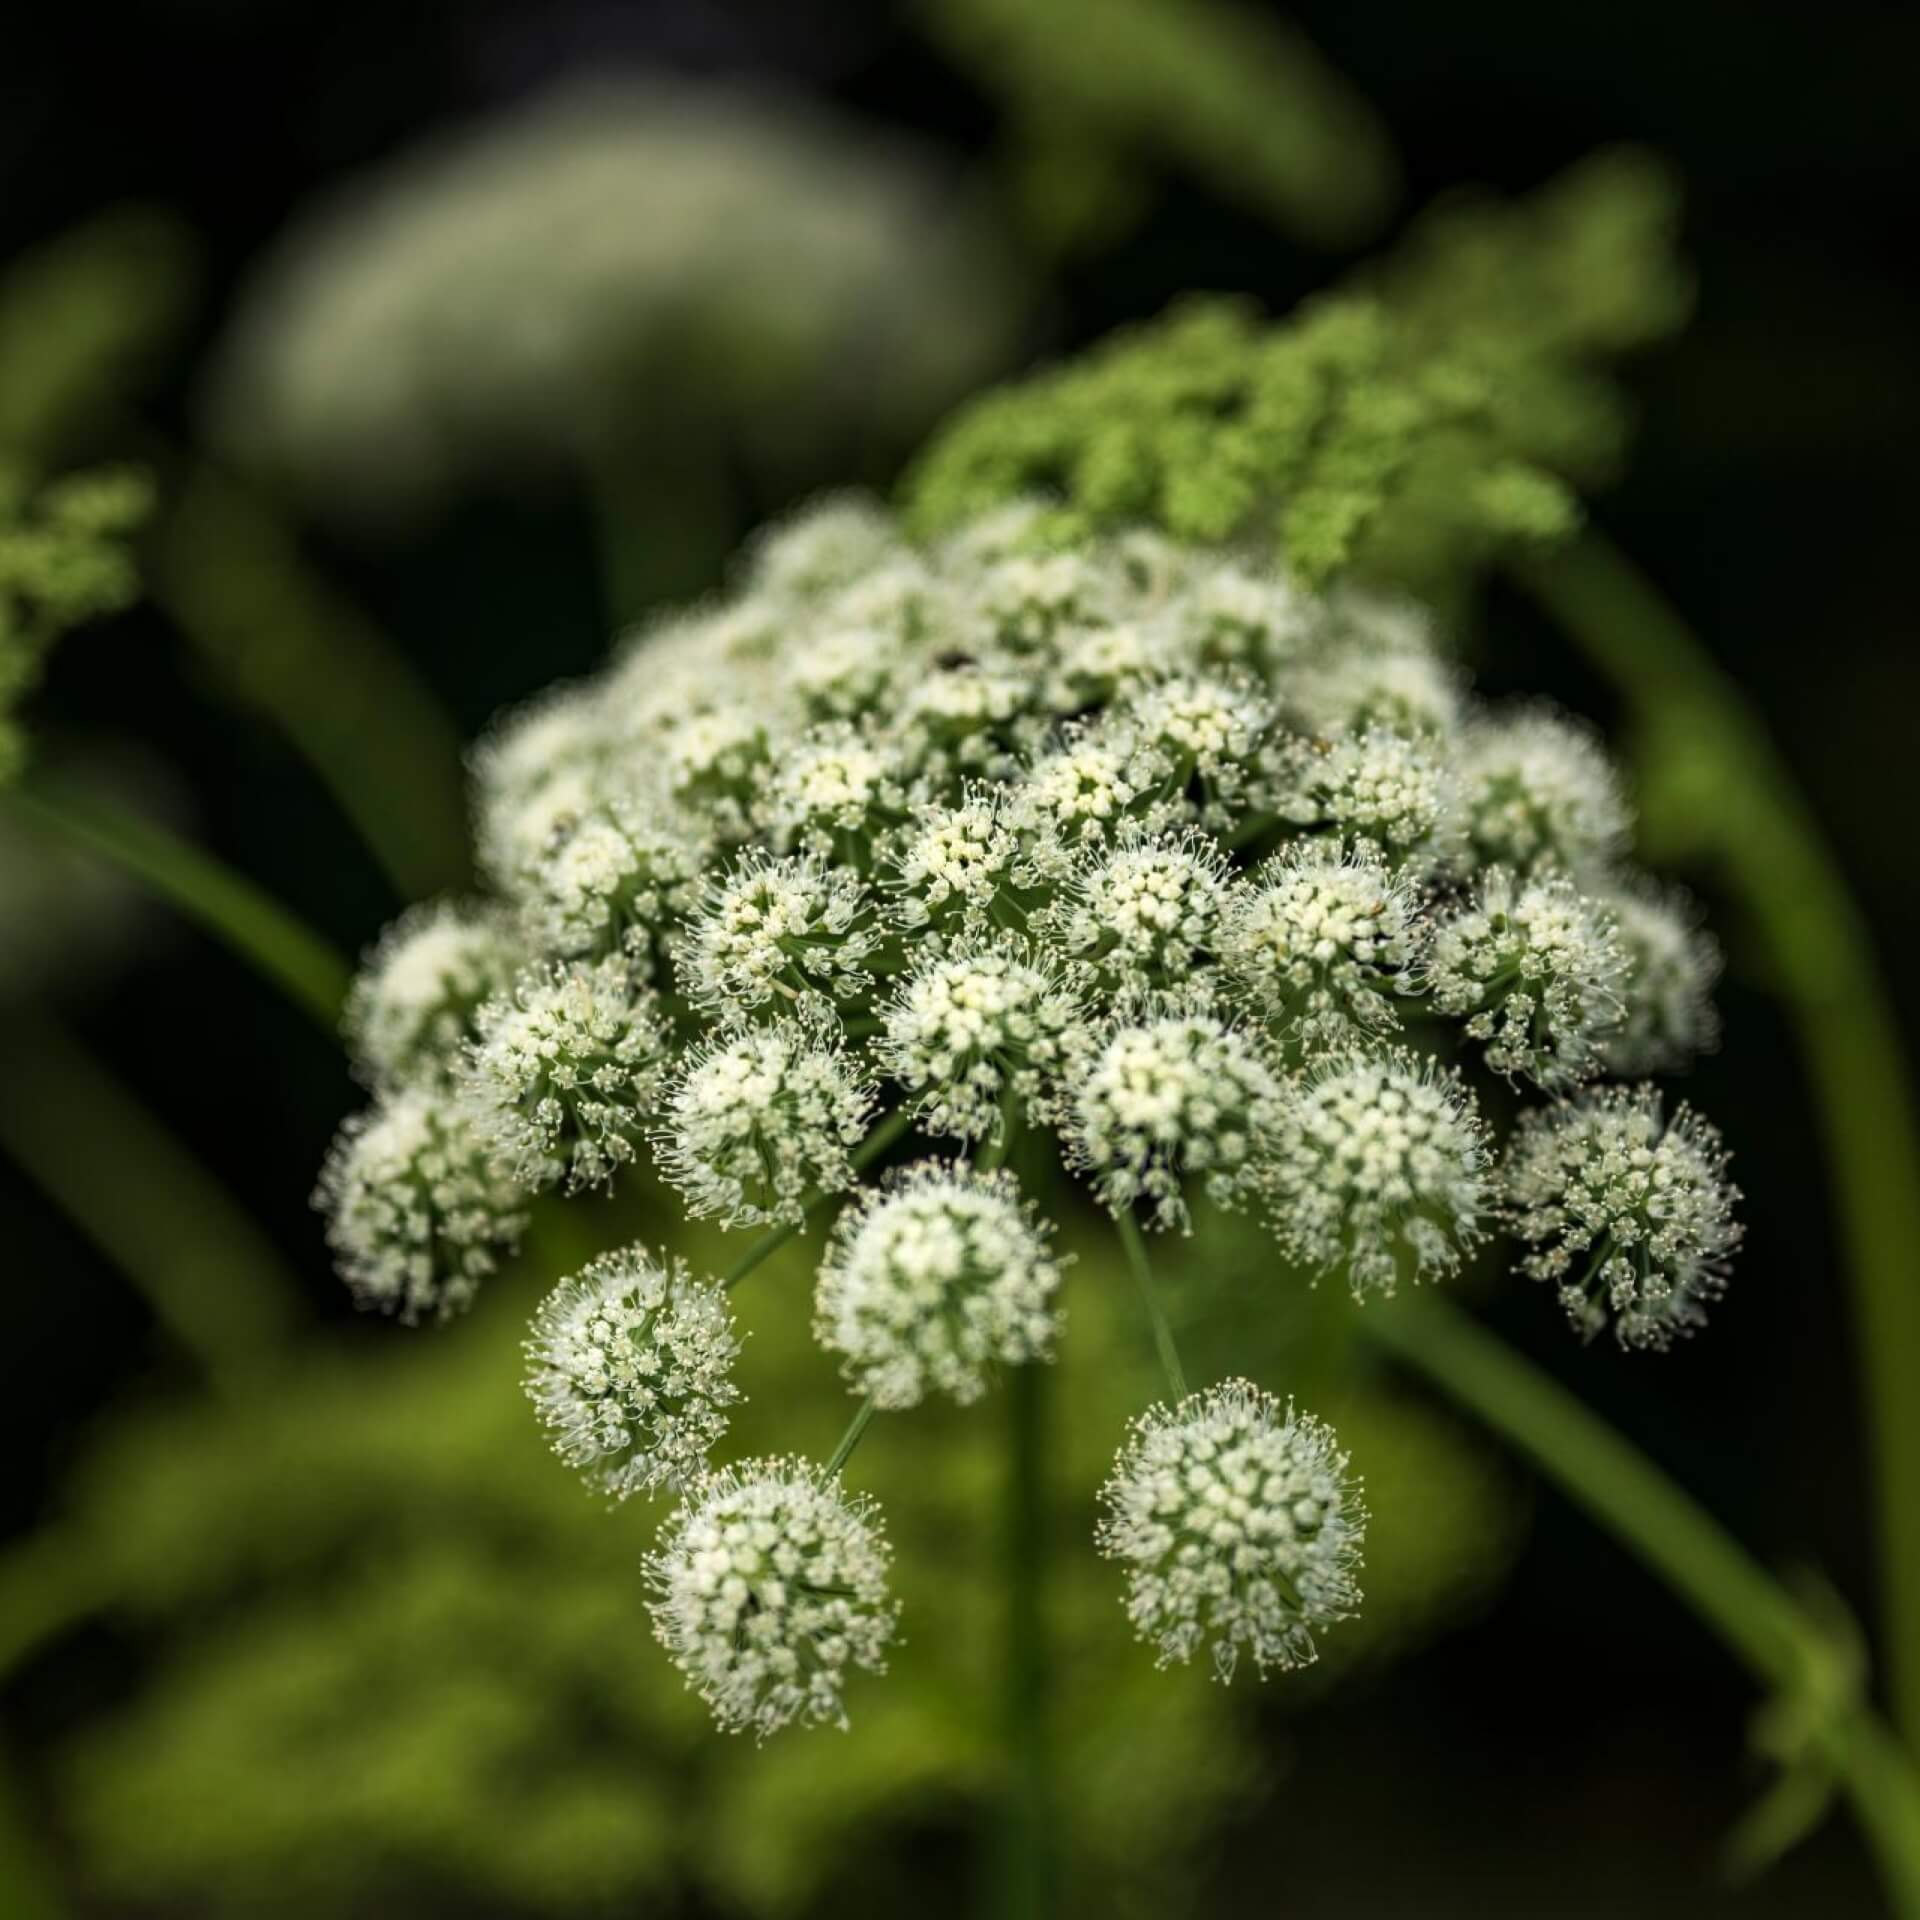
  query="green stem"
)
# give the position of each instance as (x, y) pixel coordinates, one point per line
(227, 905)
(870, 1149)
(1759, 1621)
(850, 1439)
(1030, 1832)
(232, 577)
(1716, 786)
(1135, 1243)
(212, 1279)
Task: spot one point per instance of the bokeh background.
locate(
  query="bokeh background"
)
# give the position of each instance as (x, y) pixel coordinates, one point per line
(353, 1646)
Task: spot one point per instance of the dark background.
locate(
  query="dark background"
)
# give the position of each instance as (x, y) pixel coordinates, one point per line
(1586, 1733)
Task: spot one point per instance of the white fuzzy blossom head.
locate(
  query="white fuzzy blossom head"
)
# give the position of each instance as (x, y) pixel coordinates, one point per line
(1536, 971)
(1146, 914)
(1378, 1169)
(417, 1216)
(630, 1368)
(1239, 1526)
(563, 1069)
(770, 1587)
(1203, 736)
(778, 935)
(834, 792)
(758, 1122)
(957, 866)
(1408, 690)
(1232, 617)
(933, 1280)
(966, 1030)
(1537, 789)
(821, 548)
(414, 1000)
(1388, 788)
(1324, 940)
(1168, 1098)
(1628, 1214)
(1079, 792)
(612, 882)
(1672, 963)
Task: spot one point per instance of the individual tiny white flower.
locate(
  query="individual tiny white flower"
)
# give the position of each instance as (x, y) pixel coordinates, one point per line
(1536, 970)
(822, 547)
(755, 1124)
(770, 1584)
(1146, 913)
(1165, 1098)
(932, 1280)
(1376, 1168)
(1240, 1528)
(414, 999)
(1234, 617)
(955, 867)
(630, 1368)
(833, 792)
(1026, 599)
(417, 1216)
(967, 1028)
(1537, 789)
(563, 1069)
(1628, 1214)
(1407, 690)
(613, 882)
(1672, 963)
(1377, 785)
(1323, 939)
(777, 935)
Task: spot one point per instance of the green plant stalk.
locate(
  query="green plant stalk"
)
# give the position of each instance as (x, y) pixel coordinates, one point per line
(1025, 1883)
(843, 1452)
(211, 1277)
(231, 576)
(1757, 1618)
(1030, 1837)
(1136, 1246)
(1714, 781)
(232, 908)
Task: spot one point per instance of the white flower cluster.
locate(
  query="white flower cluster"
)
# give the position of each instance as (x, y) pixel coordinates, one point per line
(1239, 1527)
(632, 1371)
(1117, 857)
(693, 260)
(1627, 1213)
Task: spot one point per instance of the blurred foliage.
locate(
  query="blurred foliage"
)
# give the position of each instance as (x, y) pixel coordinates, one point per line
(84, 321)
(1101, 91)
(400, 1654)
(656, 274)
(65, 558)
(1451, 400)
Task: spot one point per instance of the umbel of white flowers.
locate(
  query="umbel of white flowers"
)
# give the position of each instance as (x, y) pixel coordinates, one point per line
(1238, 894)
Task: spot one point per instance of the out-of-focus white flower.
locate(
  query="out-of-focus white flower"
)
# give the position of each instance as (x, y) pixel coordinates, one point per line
(1671, 965)
(414, 1000)
(1537, 789)
(417, 1215)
